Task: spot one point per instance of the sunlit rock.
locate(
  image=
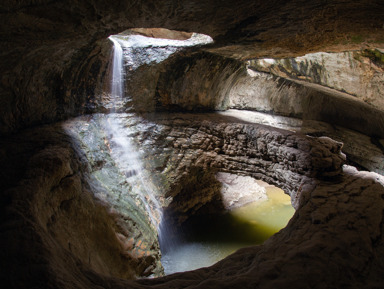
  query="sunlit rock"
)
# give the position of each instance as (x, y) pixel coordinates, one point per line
(358, 73)
(238, 191)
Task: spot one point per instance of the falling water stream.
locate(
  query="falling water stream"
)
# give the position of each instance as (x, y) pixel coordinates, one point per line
(198, 249)
(122, 149)
(132, 51)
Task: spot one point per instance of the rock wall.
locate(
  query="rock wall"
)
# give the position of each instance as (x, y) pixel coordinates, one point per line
(112, 186)
(267, 93)
(87, 217)
(359, 73)
(364, 152)
(334, 240)
(52, 51)
(52, 83)
(192, 80)
(196, 82)
(71, 240)
(53, 228)
(186, 150)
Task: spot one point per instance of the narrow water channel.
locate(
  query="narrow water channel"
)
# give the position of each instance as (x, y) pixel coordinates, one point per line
(209, 240)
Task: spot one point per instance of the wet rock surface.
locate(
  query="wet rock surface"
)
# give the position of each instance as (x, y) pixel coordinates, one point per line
(335, 232)
(53, 225)
(333, 241)
(118, 190)
(184, 152)
(183, 155)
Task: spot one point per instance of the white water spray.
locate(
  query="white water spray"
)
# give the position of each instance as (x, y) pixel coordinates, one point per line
(123, 150)
(117, 87)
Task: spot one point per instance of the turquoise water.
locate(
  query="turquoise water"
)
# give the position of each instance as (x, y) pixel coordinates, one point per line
(210, 240)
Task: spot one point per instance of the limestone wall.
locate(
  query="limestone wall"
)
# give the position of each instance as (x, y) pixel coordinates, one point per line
(358, 73)
(275, 95)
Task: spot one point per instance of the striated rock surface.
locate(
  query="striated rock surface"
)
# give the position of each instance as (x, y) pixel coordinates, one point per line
(73, 240)
(53, 225)
(359, 73)
(361, 150)
(183, 152)
(116, 187)
(53, 51)
(275, 95)
(191, 80)
(196, 82)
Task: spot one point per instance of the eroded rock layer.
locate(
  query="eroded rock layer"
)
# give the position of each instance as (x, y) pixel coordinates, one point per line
(176, 150)
(192, 80)
(266, 93)
(334, 240)
(71, 219)
(362, 151)
(52, 51)
(52, 226)
(358, 73)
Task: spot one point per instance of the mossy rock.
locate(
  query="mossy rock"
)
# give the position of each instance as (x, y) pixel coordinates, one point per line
(376, 56)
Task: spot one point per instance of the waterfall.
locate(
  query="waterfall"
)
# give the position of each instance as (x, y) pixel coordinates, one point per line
(116, 167)
(117, 83)
(130, 52)
(122, 149)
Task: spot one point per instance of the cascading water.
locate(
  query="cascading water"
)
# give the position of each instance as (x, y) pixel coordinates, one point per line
(139, 50)
(117, 83)
(116, 162)
(122, 150)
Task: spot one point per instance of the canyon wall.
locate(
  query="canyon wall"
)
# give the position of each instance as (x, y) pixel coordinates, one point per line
(192, 80)
(267, 93)
(52, 83)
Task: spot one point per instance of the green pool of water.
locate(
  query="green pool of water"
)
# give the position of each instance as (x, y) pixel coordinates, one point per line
(211, 239)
